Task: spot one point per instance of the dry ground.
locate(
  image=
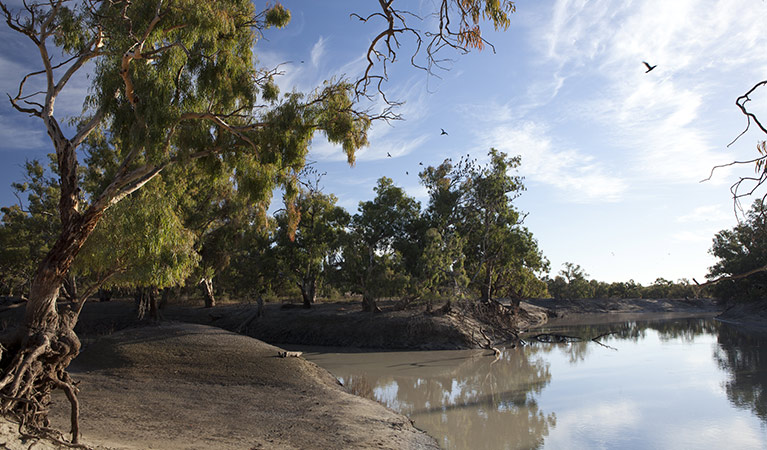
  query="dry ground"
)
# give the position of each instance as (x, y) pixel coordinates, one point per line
(188, 386)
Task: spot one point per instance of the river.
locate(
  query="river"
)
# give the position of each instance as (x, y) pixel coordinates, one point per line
(693, 383)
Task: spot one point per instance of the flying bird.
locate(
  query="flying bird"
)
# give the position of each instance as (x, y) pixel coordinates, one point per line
(388, 155)
(420, 163)
(649, 67)
(443, 132)
(406, 173)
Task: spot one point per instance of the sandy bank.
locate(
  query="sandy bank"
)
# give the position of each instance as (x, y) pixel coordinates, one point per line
(185, 386)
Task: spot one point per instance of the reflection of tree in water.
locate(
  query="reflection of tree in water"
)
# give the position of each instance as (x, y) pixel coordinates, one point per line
(744, 356)
(578, 350)
(685, 330)
(478, 404)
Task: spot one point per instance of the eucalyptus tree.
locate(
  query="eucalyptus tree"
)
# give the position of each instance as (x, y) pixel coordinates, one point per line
(741, 254)
(370, 256)
(175, 82)
(141, 243)
(577, 284)
(303, 250)
(217, 213)
(502, 255)
(475, 202)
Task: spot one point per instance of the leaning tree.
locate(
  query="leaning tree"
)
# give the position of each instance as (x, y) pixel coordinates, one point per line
(174, 82)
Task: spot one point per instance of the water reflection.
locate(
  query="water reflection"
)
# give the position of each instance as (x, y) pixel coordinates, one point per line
(464, 398)
(744, 357)
(693, 383)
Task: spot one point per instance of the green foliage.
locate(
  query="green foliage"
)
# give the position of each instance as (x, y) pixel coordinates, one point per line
(440, 267)
(27, 233)
(738, 251)
(303, 251)
(277, 16)
(577, 286)
(501, 256)
(372, 257)
(140, 242)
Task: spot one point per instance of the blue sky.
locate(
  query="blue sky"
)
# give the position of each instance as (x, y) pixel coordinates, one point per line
(612, 156)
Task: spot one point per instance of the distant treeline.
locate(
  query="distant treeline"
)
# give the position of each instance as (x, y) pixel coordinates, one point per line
(572, 282)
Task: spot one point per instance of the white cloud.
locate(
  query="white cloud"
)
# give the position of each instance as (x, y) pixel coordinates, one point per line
(706, 213)
(318, 51)
(379, 148)
(578, 176)
(24, 135)
(660, 117)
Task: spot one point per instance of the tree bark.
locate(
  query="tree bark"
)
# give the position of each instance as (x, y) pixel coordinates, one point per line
(207, 289)
(369, 303)
(146, 303)
(487, 285)
(309, 292)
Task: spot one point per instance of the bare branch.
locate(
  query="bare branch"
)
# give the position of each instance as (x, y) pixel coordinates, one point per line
(384, 47)
(731, 277)
(721, 166)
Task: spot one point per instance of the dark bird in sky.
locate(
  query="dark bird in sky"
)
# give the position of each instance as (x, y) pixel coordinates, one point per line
(406, 173)
(443, 132)
(420, 163)
(649, 67)
(388, 155)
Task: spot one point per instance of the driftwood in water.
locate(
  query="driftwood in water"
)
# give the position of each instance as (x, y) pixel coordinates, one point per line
(553, 338)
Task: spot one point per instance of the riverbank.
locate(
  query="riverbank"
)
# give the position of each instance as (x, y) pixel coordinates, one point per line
(188, 383)
(181, 386)
(751, 314)
(565, 312)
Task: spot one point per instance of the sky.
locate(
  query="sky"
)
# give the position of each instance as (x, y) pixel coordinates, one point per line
(612, 156)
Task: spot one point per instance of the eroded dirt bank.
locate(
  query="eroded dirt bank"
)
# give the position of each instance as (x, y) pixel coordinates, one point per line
(188, 386)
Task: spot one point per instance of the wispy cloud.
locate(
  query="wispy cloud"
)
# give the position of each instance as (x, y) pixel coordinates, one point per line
(318, 51)
(577, 176)
(707, 213)
(23, 135)
(660, 117)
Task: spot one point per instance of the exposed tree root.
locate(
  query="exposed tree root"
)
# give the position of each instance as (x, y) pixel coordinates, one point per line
(34, 362)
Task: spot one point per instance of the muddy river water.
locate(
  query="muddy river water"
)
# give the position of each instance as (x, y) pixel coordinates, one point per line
(693, 383)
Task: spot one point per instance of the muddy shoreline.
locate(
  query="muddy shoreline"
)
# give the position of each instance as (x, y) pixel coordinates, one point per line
(189, 383)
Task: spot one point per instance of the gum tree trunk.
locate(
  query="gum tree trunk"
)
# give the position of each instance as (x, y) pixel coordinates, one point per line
(36, 354)
(207, 289)
(146, 303)
(309, 292)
